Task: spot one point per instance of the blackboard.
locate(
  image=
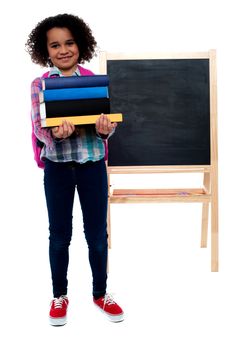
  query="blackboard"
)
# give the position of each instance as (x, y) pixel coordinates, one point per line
(166, 112)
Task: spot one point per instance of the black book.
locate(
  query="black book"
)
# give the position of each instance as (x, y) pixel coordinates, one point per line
(53, 109)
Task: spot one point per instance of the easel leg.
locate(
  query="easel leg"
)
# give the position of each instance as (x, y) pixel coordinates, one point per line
(214, 225)
(205, 213)
(214, 237)
(214, 162)
(204, 228)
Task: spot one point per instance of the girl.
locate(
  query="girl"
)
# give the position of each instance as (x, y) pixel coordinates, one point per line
(74, 158)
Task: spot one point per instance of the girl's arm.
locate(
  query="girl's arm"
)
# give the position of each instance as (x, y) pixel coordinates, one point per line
(43, 134)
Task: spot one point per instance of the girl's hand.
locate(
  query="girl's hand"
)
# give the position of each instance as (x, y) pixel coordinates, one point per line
(104, 125)
(64, 130)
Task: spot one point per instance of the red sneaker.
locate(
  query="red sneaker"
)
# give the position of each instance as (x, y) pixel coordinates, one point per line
(107, 305)
(58, 311)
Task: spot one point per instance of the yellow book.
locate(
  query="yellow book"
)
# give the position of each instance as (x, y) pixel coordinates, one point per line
(79, 120)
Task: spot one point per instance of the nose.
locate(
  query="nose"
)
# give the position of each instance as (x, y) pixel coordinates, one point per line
(63, 49)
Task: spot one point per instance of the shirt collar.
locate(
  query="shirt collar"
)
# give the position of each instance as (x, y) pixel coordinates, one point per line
(56, 71)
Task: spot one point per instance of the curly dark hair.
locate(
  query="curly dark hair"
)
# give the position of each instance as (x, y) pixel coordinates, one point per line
(36, 44)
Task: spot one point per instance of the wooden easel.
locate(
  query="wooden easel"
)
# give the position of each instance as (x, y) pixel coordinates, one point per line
(207, 194)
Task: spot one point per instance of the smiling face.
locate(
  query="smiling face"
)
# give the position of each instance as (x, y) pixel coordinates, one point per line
(62, 49)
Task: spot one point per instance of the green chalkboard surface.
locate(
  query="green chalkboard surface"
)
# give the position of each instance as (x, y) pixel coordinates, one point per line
(166, 112)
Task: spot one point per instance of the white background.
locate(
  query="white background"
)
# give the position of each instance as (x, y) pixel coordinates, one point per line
(158, 273)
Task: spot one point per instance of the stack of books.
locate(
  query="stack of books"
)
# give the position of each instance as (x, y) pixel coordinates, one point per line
(80, 100)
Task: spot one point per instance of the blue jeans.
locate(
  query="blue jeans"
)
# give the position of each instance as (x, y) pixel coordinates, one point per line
(60, 182)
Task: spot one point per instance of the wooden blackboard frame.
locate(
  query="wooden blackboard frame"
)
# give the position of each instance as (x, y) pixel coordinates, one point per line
(208, 194)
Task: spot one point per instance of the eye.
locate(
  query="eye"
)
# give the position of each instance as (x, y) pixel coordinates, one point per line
(54, 46)
(70, 42)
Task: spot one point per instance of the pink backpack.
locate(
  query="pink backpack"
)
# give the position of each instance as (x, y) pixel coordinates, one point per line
(37, 145)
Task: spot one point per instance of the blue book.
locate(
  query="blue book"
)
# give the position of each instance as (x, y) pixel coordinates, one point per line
(75, 81)
(74, 93)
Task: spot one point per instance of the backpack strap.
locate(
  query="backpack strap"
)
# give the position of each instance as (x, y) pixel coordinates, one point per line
(84, 71)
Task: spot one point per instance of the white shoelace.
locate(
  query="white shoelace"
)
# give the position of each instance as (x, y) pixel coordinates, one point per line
(58, 302)
(108, 299)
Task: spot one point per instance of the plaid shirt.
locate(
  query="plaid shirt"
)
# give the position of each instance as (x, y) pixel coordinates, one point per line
(82, 146)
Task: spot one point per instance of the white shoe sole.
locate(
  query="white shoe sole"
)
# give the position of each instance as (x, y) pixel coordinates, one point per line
(57, 321)
(116, 318)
